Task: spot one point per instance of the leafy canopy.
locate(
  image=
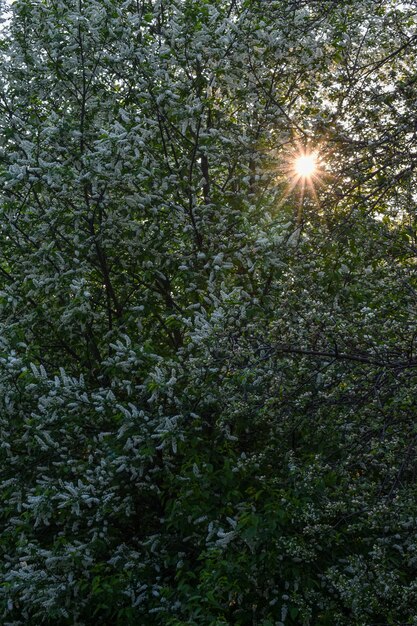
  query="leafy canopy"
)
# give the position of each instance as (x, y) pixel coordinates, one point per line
(207, 372)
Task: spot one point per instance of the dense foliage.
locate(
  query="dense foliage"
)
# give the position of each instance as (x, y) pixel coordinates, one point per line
(208, 378)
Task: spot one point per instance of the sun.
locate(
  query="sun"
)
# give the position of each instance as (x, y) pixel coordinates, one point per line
(305, 165)
(302, 172)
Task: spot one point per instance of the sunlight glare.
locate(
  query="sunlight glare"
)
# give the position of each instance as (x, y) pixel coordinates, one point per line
(305, 165)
